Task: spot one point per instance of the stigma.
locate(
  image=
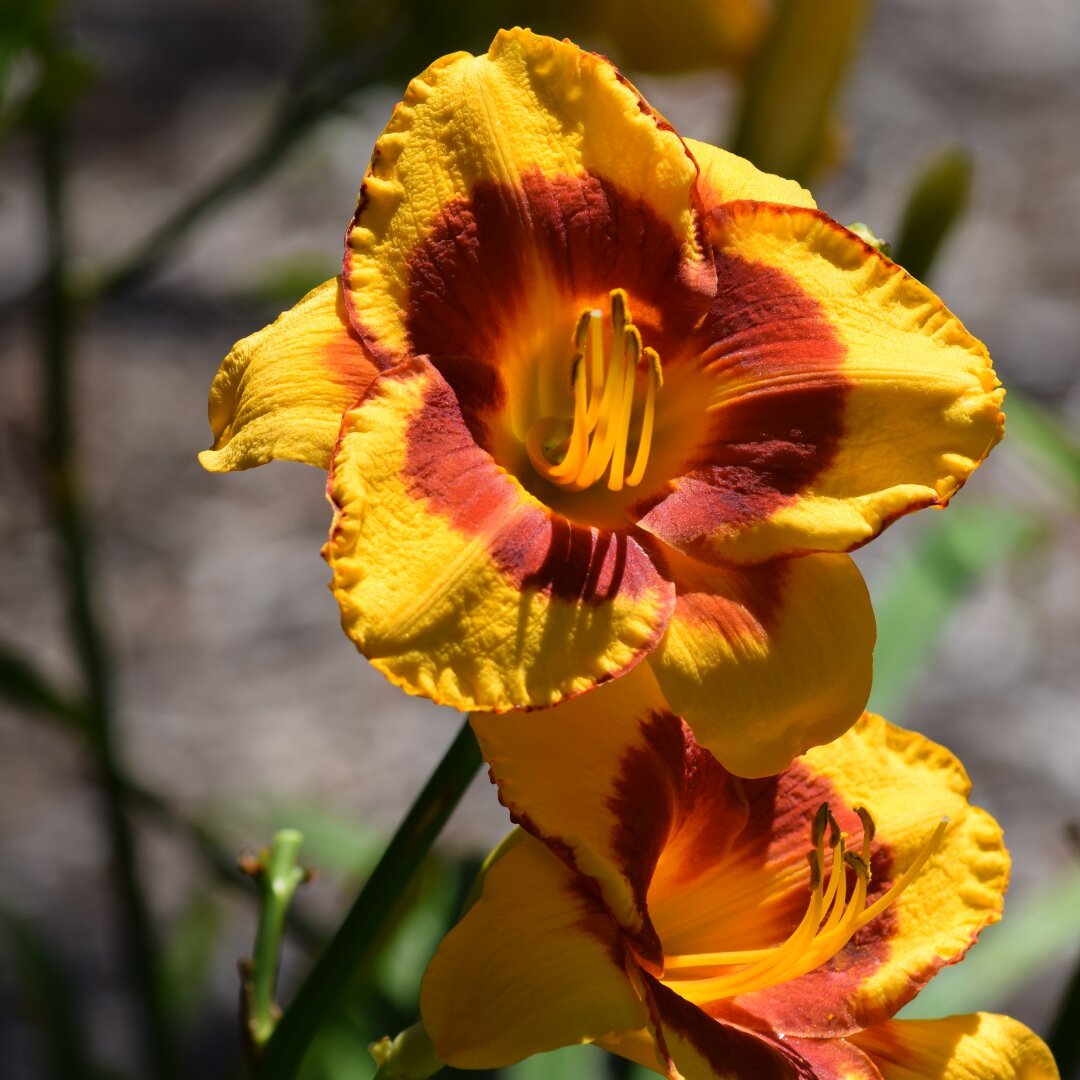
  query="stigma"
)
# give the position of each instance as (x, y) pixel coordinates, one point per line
(604, 384)
(832, 918)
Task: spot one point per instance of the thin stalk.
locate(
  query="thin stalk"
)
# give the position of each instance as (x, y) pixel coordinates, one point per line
(309, 99)
(278, 876)
(220, 861)
(372, 910)
(69, 521)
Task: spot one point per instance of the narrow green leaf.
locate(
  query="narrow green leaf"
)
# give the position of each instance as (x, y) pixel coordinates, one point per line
(358, 936)
(1044, 440)
(784, 121)
(937, 200)
(1064, 1036)
(1010, 955)
(415, 938)
(64, 77)
(959, 545)
(22, 685)
(47, 996)
(278, 876)
(188, 956)
(336, 844)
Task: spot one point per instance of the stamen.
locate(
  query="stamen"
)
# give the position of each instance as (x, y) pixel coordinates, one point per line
(830, 921)
(656, 380)
(604, 392)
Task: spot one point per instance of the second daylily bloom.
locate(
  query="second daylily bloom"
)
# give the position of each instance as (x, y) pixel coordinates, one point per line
(593, 395)
(706, 926)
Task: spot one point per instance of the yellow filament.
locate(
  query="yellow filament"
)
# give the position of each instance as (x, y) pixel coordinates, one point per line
(623, 409)
(905, 879)
(604, 392)
(603, 443)
(830, 921)
(674, 965)
(645, 439)
(579, 441)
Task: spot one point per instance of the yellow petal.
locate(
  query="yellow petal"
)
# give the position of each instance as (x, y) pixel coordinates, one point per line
(974, 1047)
(765, 662)
(533, 965)
(842, 397)
(281, 393)
(598, 778)
(460, 585)
(908, 784)
(532, 108)
(726, 177)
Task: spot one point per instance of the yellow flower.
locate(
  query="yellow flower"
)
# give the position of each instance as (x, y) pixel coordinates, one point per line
(586, 389)
(667, 911)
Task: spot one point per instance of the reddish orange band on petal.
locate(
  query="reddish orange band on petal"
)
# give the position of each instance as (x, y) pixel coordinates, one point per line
(770, 368)
(914, 402)
(599, 780)
(706, 1049)
(835, 1059)
(496, 286)
(908, 784)
(531, 104)
(456, 582)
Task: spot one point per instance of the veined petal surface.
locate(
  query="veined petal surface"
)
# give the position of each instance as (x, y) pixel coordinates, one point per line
(702, 1048)
(765, 662)
(460, 585)
(600, 780)
(474, 127)
(281, 393)
(973, 1047)
(533, 965)
(844, 395)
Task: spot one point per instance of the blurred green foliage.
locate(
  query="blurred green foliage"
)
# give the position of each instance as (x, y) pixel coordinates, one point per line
(787, 120)
(937, 201)
(927, 581)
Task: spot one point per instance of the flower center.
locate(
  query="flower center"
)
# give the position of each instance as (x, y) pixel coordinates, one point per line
(831, 918)
(604, 385)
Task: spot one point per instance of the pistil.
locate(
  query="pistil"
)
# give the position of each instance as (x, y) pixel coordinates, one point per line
(830, 921)
(604, 391)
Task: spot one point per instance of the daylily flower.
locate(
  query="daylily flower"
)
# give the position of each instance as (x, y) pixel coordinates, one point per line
(706, 926)
(592, 394)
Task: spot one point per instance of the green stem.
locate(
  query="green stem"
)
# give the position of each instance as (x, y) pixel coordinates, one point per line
(25, 686)
(205, 844)
(372, 910)
(69, 520)
(279, 877)
(303, 105)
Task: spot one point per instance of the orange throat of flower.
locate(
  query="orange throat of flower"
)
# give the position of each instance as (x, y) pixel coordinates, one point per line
(832, 918)
(604, 385)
